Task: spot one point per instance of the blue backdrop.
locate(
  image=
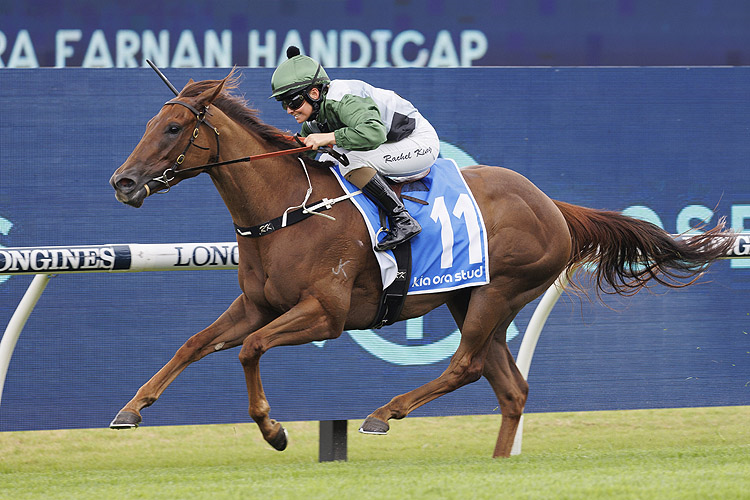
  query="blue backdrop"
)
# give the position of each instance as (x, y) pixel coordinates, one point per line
(666, 144)
(433, 33)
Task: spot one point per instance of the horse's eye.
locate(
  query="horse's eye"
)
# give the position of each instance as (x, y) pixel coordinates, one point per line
(173, 129)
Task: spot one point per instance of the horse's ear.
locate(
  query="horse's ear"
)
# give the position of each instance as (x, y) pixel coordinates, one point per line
(186, 85)
(208, 96)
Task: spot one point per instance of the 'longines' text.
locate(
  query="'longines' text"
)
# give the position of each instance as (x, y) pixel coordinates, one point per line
(56, 259)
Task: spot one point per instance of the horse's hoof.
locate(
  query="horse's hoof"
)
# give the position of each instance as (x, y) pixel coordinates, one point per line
(125, 420)
(373, 425)
(280, 441)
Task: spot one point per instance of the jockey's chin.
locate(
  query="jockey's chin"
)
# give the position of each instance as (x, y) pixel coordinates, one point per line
(299, 117)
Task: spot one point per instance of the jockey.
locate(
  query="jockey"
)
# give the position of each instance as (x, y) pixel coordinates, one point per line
(381, 134)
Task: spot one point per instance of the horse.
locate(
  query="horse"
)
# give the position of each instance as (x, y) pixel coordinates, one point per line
(290, 296)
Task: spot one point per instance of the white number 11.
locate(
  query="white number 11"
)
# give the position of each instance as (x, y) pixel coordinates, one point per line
(464, 208)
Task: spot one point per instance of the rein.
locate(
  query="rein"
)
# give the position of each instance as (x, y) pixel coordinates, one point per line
(291, 215)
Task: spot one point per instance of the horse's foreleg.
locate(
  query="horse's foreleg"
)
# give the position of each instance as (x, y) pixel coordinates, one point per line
(511, 390)
(229, 330)
(306, 322)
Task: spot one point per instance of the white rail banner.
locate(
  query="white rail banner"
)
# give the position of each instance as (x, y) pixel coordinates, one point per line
(118, 258)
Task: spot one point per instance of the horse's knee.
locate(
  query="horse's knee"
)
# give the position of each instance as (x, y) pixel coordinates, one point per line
(252, 349)
(196, 347)
(189, 351)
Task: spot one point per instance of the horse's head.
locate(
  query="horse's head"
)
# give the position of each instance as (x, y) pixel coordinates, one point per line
(175, 140)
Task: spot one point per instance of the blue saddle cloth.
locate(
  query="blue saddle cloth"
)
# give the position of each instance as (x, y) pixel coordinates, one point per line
(451, 250)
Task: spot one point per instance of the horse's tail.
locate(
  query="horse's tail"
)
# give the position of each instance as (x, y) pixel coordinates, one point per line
(628, 253)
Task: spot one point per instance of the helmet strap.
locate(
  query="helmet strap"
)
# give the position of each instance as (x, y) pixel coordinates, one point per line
(315, 102)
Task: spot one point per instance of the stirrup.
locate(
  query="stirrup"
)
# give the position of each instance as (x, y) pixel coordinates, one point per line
(384, 245)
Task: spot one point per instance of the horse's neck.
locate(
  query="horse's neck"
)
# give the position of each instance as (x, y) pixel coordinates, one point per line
(256, 192)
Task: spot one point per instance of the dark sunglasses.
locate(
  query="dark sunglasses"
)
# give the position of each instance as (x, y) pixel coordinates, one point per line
(294, 102)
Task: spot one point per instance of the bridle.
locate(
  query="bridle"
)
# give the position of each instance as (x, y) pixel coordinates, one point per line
(291, 215)
(172, 172)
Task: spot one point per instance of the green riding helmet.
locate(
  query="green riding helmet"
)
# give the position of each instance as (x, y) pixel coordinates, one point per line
(297, 73)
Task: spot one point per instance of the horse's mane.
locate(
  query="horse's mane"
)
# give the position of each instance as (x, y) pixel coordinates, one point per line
(237, 108)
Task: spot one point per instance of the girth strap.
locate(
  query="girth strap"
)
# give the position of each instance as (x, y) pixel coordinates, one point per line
(393, 298)
(293, 217)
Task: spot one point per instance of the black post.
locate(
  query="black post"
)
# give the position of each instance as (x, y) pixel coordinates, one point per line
(332, 441)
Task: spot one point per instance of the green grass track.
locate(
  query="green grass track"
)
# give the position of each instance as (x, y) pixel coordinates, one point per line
(697, 453)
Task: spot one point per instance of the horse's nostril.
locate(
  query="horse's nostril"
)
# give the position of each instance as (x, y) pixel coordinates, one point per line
(124, 184)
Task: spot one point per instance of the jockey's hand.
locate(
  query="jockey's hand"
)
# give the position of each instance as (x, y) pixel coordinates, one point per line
(318, 140)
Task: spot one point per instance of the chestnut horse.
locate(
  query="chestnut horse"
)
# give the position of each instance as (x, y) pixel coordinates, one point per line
(290, 296)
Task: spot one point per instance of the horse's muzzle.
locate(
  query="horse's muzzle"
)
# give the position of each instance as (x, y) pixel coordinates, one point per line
(128, 190)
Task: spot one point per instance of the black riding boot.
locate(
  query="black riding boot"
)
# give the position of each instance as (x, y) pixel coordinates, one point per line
(403, 225)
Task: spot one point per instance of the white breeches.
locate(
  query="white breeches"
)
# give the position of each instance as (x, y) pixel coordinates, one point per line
(405, 158)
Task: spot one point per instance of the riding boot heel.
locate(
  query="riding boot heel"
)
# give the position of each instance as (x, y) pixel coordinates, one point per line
(402, 225)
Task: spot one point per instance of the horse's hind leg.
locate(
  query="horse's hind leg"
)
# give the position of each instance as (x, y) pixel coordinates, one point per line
(229, 330)
(487, 312)
(511, 390)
